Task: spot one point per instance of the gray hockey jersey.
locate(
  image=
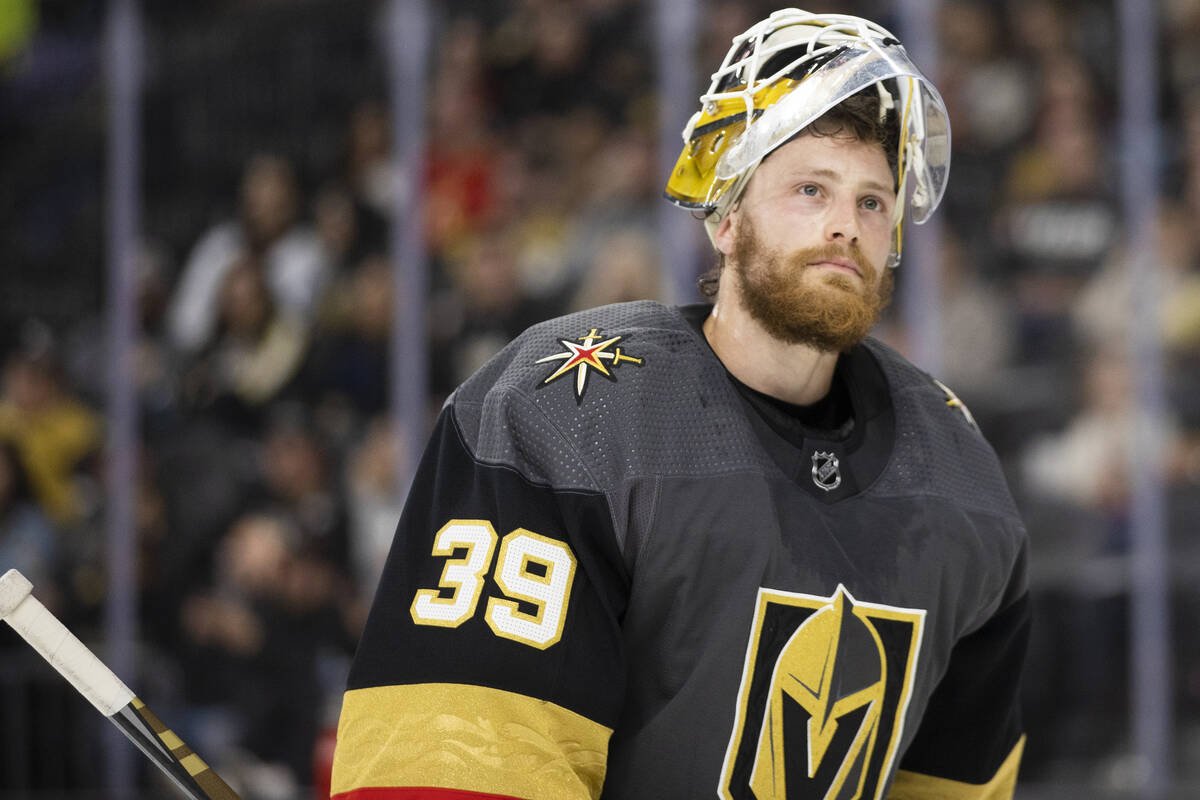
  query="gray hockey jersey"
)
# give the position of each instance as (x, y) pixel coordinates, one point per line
(619, 575)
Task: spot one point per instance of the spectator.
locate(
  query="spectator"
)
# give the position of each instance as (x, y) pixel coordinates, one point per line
(349, 365)
(986, 82)
(53, 432)
(977, 327)
(1190, 178)
(991, 95)
(1181, 27)
(297, 484)
(255, 356)
(254, 648)
(155, 368)
(544, 61)
(625, 267)
(1104, 313)
(1041, 29)
(27, 538)
(1087, 464)
(485, 309)
(375, 502)
(1058, 221)
(616, 203)
(347, 229)
(459, 169)
(371, 172)
(266, 231)
(1078, 487)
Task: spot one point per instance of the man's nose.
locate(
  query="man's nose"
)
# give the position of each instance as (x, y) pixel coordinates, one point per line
(841, 225)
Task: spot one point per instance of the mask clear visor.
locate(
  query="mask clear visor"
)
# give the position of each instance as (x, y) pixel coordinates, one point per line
(924, 157)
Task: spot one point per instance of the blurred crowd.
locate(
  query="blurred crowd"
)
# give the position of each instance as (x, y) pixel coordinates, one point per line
(267, 487)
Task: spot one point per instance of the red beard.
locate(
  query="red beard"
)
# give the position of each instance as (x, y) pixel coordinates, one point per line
(833, 313)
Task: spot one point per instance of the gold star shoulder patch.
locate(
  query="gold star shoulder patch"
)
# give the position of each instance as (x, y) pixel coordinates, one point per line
(589, 353)
(953, 402)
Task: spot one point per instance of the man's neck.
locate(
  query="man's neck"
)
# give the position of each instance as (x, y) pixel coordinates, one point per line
(795, 373)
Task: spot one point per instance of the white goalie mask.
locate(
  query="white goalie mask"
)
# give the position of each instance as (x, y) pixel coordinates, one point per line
(780, 76)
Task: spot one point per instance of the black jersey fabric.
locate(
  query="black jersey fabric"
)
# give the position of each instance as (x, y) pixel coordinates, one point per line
(621, 574)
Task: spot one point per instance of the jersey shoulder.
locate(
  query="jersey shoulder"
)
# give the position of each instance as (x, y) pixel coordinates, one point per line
(598, 396)
(939, 449)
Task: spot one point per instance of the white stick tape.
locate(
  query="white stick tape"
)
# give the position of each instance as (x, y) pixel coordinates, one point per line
(57, 645)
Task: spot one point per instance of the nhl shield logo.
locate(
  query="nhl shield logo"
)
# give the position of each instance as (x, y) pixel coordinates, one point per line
(820, 712)
(826, 472)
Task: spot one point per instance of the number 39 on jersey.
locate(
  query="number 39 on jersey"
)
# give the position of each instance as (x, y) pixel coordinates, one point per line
(530, 569)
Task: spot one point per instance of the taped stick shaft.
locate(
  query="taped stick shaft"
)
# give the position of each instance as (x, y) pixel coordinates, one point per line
(104, 690)
(61, 649)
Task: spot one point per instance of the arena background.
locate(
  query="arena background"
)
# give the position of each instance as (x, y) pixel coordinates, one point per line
(201, 477)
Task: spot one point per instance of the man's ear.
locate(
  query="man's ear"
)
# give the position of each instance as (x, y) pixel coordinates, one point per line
(726, 231)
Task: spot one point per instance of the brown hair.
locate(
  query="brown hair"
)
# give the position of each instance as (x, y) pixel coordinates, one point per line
(857, 118)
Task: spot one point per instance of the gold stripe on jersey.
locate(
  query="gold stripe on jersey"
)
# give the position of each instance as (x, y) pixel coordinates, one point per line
(915, 786)
(465, 737)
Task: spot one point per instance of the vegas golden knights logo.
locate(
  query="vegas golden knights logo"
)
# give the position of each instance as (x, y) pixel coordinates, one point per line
(821, 708)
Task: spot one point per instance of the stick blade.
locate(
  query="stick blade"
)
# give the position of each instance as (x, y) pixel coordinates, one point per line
(14, 588)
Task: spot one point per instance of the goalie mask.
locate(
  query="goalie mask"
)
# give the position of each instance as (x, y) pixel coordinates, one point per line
(780, 76)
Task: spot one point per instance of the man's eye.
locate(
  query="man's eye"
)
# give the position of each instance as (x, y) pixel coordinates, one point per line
(872, 204)
(809, 189)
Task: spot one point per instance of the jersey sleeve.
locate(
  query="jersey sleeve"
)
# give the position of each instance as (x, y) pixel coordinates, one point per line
(491, 662)
(970, 740)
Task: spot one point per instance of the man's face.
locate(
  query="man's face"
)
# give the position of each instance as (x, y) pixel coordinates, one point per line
(809, 239)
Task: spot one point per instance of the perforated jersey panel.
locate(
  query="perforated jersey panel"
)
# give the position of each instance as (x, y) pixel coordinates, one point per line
(937, 452)
(677, 415)
(672, 415)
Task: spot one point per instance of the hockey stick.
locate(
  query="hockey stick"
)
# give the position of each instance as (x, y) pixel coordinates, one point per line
(104, 690)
